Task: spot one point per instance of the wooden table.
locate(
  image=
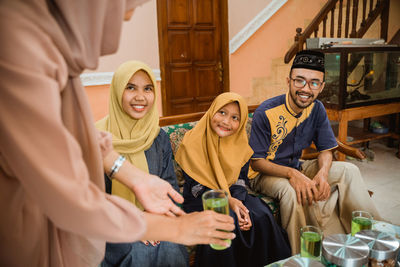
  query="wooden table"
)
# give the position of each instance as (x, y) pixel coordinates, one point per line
(361, 135)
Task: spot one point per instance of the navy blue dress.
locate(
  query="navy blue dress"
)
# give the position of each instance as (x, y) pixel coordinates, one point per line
(137, 254)
(264, 243)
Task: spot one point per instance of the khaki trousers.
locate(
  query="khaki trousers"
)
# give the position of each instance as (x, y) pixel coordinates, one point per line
(348, 193)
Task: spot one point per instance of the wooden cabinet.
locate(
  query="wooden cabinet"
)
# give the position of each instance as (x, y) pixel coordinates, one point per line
(361, 83)
(361, 76)
(360, 135)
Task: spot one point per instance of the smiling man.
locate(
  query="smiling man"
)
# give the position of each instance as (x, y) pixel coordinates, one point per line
(316, 192)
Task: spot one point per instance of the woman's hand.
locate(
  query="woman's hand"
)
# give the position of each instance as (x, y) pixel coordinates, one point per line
(105, 141)
(150, 242)
(155, 196)
(207, 227)
(242, 213)
(153, 193)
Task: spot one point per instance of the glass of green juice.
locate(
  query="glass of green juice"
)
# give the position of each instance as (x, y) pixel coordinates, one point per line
(310, 242)
(360, 220)
(217, 200)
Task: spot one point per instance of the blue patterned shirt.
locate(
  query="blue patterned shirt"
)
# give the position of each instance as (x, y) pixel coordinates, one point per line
(279, 135)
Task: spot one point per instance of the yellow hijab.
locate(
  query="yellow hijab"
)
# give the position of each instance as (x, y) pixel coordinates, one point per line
(209, 159)
(130, 137)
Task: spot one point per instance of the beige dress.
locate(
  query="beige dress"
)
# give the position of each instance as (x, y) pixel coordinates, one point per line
(53, 208)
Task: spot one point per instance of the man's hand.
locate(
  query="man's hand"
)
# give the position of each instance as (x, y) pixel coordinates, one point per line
(105, 141)
(324, 190)
(242, 213)
(321, 178)
(155, 195)
(305, 187)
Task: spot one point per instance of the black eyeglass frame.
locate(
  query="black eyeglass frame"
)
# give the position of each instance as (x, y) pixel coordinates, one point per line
(306, 82)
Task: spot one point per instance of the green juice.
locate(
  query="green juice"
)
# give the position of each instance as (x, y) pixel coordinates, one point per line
(310, 245)
(360, 223)
(219, 205)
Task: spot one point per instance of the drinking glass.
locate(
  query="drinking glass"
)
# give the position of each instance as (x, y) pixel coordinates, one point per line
(360, 220)
(217, 200)
(310, 242)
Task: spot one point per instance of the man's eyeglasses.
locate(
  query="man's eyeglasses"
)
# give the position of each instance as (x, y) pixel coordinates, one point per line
(300, 83)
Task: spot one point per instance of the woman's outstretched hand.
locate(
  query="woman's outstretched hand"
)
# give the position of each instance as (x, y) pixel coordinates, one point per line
(155, 195)
(206, 227)
(105, 142)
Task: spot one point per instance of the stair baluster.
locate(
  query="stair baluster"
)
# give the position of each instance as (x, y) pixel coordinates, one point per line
(354, 19)
(332, 22)
(346, 34)
(339, 30)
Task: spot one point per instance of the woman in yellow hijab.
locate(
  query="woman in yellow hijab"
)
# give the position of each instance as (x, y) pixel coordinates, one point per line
(215, 155)
(133, 122)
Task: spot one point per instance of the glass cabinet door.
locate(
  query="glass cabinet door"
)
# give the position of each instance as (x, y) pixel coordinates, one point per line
(360, 77)
(372, 76)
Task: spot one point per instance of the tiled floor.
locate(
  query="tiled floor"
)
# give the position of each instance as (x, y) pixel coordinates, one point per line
(382, 176)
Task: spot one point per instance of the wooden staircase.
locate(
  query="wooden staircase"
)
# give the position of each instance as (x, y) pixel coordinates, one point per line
(358, 16)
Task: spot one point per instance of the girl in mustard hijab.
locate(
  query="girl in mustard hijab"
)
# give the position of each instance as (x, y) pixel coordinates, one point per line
(133, 122)
(215, 155)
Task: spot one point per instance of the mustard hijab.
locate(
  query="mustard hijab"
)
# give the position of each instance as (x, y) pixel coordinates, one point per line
(130, 137)
(209, 159)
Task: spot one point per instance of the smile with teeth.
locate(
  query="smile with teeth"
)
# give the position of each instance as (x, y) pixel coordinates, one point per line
(224, 128)
(304, 96)
(138, 108)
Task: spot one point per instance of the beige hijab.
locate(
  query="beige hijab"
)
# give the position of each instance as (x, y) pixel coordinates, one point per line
(209, 159)
(131, 137)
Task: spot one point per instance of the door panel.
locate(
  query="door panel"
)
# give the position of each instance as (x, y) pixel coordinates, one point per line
(181, 80)
(205, 81)
(178, 12)
(204, 12)
(179, 41)
(193, 53)
(204, 47)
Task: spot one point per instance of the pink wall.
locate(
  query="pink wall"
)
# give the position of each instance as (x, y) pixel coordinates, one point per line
(240, 13)
(255, 57)
(257, 70)
(139, 37)
(139, 40)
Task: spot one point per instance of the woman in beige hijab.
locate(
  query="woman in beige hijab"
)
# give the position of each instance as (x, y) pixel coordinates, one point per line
(54, 210)
(133, 121)
(215, 154)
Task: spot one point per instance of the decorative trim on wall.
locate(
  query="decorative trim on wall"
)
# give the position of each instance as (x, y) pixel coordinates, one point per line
(102, 78)
(96, 78)
(262, 17)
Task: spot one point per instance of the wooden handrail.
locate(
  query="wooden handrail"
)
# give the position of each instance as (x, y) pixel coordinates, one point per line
(381, 8)
(301, 37)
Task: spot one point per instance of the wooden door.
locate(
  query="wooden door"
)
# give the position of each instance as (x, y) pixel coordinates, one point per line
(193, 45)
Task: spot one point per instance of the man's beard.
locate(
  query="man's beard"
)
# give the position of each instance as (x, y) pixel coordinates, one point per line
(299, 104)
